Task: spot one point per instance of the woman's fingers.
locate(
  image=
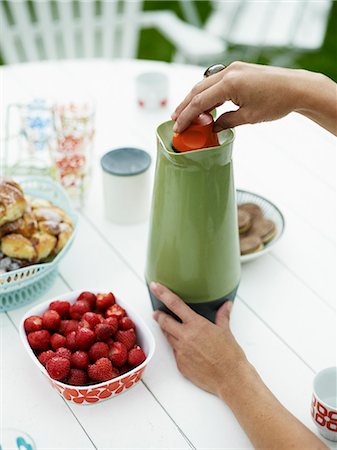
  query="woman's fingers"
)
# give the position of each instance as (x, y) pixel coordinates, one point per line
(171, 340)
(223, 313)
(230, 120)
(172, 302)
(168, 324)
(200, 103)
(197, 89)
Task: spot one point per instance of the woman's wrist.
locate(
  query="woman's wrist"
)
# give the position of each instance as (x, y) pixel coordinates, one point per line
(307, 87)
(239, 380)
(317, 99)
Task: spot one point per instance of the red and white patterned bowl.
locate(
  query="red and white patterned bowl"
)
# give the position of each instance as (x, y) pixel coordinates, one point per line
(107, 389)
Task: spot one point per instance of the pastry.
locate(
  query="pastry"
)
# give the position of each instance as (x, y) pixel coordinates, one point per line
(12, 202)
(264, 228)
(52, 214)
(252, 209)
(244, 221)
(17, 246)
(50, 226)
(254, 230)
(44, 244)
(250, 244)
(11, 227)
(33, 230)
(39, 203)
(65, 233)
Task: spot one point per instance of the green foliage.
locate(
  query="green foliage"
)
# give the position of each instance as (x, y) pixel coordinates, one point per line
(325, 59)
(154, 46)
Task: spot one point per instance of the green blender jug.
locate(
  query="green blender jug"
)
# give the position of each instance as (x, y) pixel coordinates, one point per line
(193, 245)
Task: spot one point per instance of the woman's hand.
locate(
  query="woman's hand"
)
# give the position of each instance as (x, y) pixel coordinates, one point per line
(207, 354)
(210, 357)
(262, 93)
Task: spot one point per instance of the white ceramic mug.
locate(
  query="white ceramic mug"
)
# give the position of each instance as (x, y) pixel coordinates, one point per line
(324, 403)
(126, 185)
(152, 90)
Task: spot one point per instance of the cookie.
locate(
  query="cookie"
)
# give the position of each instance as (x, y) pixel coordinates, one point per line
(244, 221)
(252, 209)
(250, 244)
(263, 228)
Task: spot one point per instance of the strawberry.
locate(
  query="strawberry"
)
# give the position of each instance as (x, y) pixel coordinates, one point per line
(61, 307)
(64, 352)
(127, 337)
(33, 323)
(126, 323)
(115, 311)
(83, 324)
(103, 331)
(84, 338)
(98, 350)
(39, 340)
(113, 322)
(72, 325)
(136, 356)
(79, 360)
(91, 318)
(58, 367)
(57, 340)
(88, 297)
(77, 377)
(109, 341)
(62, 327)
(118, 354)
(44, 357)
(71, 341)
(124, 369)
(79, 308)
(105, 300)
(102, 370)
(51, 320)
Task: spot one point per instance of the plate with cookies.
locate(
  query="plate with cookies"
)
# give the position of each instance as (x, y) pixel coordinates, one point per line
(261, 225)
(37, 228)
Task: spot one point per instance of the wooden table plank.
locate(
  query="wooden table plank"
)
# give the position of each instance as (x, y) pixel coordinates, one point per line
(155, 429)
(27, 400)
(104, 269)
(285, 169)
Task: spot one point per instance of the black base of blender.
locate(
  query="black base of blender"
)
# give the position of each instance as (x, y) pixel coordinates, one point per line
(207, 309)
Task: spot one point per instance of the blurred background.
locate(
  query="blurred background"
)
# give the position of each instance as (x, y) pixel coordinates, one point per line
(298, 33)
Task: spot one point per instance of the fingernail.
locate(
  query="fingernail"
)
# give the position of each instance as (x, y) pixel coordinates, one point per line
(229, 305)
(153, 286)
(175, 127)
(174, 115)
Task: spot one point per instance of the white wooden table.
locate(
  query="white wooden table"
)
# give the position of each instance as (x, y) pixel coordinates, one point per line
(284, 314)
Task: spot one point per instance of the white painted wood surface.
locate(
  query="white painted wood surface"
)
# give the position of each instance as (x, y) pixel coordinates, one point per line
(299, 25)
(284, 315)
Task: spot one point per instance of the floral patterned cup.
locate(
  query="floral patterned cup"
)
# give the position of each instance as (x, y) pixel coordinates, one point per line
(324, 403)
(72, 148)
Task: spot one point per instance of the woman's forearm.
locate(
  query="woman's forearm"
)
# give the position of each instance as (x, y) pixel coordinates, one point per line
(267, 423)
(317, 99)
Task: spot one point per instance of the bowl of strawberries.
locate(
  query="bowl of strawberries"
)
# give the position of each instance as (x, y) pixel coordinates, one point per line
(88, 344)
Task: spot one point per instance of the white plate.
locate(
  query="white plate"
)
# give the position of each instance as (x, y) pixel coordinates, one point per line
(270, 211)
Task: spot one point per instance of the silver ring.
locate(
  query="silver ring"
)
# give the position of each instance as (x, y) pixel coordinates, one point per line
(214, 68)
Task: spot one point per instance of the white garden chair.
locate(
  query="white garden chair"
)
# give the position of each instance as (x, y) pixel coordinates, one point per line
(45, 29)
(298, 25)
